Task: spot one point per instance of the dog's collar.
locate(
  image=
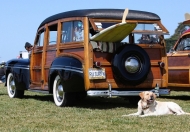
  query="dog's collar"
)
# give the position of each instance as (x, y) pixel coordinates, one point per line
(145, 108)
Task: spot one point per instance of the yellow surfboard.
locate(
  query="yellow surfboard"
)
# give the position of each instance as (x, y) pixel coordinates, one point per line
(114, 33)
(187, 18)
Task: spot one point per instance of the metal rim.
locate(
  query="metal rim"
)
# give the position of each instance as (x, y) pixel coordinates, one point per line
(11, 86)
(132, 64)
(59, 91)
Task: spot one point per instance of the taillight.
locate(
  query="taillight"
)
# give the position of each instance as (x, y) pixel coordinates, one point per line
(97, 64)
(161, 64)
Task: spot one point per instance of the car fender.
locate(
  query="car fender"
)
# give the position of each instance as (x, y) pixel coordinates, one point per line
(21, 73)
(70, 71)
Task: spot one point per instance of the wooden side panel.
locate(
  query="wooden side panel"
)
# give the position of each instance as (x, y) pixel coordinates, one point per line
(38, 59)
(179, 69)
(78, 51)
(178, 61)
(50, 55)
(179, 76)
(154, 54)
(104, 58)
(46, 75)
(156, 75)
(36, 69)
(37, 75)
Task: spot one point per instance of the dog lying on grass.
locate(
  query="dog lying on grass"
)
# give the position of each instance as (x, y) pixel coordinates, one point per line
(148, 106)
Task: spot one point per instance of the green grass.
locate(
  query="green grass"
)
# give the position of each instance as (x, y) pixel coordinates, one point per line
(37, 113)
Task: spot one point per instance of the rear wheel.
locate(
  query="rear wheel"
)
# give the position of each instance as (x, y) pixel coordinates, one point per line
(61, 98)
(11, 88)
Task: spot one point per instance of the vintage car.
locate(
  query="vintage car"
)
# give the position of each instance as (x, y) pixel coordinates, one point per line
(179, 62)
(94, 52)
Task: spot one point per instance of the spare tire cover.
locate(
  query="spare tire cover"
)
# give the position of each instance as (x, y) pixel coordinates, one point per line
(131, 64)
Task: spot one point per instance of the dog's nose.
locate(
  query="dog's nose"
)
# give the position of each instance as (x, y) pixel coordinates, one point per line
(152, 97)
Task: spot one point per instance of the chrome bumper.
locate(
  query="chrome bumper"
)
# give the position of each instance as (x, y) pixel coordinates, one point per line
(110, 92)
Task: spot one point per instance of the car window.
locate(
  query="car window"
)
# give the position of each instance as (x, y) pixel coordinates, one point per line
(147, 33)
(103, 25)
(148, 27)
(52, 34)
(146, 38)
(143, 33)
(72, 31)
(183, 44)
(40, 39)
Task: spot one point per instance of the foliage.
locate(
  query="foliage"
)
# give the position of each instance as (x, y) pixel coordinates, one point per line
(37, 113)
(172, 40)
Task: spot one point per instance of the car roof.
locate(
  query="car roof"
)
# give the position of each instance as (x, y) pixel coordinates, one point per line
(103, 13)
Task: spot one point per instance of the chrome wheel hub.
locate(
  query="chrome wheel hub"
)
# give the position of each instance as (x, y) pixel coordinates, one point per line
(59, 92)
(12, 87)
(132, 64)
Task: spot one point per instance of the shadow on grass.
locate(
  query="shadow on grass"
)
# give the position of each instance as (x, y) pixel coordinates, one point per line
(3, 94)
(178, 97)
(104, 103)
(89, 102)
(39, 97)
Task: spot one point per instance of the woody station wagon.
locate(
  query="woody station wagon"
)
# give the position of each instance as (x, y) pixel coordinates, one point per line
(93, 52)
(179, 61)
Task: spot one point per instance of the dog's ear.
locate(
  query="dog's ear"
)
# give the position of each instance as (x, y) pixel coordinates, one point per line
(154, 95)
(141, 94)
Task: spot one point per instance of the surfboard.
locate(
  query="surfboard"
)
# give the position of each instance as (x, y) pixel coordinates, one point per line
(114, 33)
(187, 16)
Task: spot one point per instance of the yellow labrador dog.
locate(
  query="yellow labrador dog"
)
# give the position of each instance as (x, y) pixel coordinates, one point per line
(148, 106)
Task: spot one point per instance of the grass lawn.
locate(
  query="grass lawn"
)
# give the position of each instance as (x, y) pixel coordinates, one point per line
(37, 112)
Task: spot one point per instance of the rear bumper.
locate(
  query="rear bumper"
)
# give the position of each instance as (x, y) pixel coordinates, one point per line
(110, 92)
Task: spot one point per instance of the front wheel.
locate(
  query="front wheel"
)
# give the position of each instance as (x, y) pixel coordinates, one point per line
(11, 88)
(61, 98)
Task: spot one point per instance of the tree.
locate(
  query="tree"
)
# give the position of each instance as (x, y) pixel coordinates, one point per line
(172, 40)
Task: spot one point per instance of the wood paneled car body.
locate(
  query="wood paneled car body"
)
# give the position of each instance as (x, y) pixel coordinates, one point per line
(179, 61)
(94, 52)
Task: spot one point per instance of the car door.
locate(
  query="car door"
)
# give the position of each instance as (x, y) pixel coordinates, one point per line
(179, 64)
(36, 60)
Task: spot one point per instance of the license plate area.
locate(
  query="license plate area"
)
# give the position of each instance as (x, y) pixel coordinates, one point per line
(97, 73)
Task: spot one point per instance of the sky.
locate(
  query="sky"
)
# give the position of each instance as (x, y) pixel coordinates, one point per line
(19, 19)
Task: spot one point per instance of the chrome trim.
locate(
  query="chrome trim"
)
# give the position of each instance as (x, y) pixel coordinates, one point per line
(68, 69)
(62, 66)
(20, 68)
(17, 67)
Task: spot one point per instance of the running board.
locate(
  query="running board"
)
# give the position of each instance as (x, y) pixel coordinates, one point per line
(39, 91)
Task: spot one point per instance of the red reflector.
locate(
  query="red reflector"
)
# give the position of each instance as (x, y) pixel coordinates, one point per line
(97, 64)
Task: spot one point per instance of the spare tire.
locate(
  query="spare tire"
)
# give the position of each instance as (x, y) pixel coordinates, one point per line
(131, 64)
